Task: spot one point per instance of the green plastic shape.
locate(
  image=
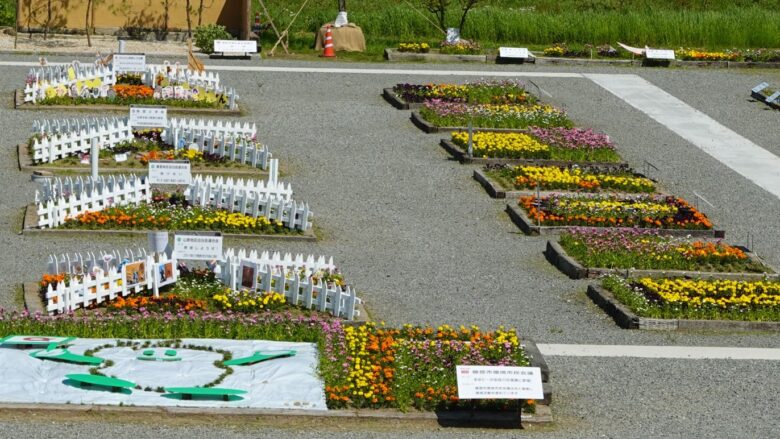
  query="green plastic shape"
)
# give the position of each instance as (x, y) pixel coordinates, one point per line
(35, 340)
(149, 355)
(257, 357)
(64, 355)
(189, 392)
(86, 380)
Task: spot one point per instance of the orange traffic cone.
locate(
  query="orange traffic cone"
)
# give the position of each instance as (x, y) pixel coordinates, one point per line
(327, 49)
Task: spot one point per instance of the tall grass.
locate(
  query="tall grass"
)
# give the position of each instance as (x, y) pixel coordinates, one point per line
(692, 23)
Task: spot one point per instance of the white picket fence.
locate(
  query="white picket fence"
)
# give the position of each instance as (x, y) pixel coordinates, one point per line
(305, 292)
(95, 279)
(63, 198)
(179, 75)
(98, 286)
(40, 78)
(55, 139)
(254, 198)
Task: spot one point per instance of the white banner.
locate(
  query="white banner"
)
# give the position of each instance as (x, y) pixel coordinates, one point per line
(129, 62)
(499, 382)
(235, 46)
(170, 172)
(148, 116)
(206, 246)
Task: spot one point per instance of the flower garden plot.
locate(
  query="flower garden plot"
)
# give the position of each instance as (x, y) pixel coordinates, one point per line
(452, 116)
(365, 367)
(405, 96)
(590, 252)
(555, 213)
(693, 304)
(75, 85)
(516, 180)
(433, 55)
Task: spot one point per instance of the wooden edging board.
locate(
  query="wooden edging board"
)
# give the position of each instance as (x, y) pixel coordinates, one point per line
(30, 227)
(522, 221)
(282, 417)
(496, 190)
(569, 266)
(19, 104)
(26, 165)
(397, 102)
(625, 318)
(428, 127)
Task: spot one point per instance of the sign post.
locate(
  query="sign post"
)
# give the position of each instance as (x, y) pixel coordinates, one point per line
(148, 116)
(170, 172)
(198, 246)
(128, 62)
(500, 382)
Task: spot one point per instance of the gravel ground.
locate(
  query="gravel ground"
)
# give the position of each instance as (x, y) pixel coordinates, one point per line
(423, 242)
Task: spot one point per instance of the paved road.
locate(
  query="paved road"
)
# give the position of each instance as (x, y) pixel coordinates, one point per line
(423, 242)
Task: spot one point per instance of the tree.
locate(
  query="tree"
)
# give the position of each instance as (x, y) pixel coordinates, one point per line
(342, 5)
(439, 9)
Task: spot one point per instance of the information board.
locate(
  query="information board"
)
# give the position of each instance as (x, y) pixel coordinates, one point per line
(148, 116)
(170, 172)
(205, 246)
(235, 46)
(513, 52)
(499, 382)
(659, 54)
(129, 62)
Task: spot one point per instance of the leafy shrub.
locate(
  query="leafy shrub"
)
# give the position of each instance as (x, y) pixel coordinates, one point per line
(205, 36)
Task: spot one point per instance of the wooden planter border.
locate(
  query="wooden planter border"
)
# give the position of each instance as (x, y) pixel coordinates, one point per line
(525, 224)
(393, 55)
(30, 227)
(19, 104)
(625, 318)
(397, 102)
(569, 266)
(26, 165)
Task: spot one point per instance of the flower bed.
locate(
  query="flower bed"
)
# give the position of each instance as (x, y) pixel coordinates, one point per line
(650, 250)
(570, 178)
(703, 55)
(367, 366)
(169, 211)
(414, 47)
(698, 299)
(462, 47)
(452, 114)
(477, 92)
(654, 212)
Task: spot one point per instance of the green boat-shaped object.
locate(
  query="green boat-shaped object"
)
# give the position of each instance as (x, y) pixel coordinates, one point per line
(189, 392)
(150, 355)
(64, 355)
(87, 380)
(257, 357)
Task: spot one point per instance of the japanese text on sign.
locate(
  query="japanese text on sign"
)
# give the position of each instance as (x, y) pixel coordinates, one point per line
(129, 62)
(513, 52)
(200, 247)
(499, 382)
(148, 116)
(659, 54)
(170, 172)
(235, 46)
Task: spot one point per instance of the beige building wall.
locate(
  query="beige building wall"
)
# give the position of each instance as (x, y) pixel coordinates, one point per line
(132, 14)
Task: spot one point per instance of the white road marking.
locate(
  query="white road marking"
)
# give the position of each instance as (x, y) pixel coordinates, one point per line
(679, 352)
(350, 70)
(738, 153)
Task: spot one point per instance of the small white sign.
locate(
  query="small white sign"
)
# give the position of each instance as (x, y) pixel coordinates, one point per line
(453, 35)
(499, 382)
(170, 172)
(205, 246)
(129, 62)
(120, 157)
(84, 159)
(235, 46)
(513, 52)
(148, 116)
(659, 54)
(759, 87)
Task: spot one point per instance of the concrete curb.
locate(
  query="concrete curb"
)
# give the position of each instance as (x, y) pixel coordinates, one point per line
(543, 414)
(30, 227)
(522, 221)
(26, 165)
(19, 104)
(428, 127)
(569, 266)
(625, 318)
(397, 102)
(32, 300)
